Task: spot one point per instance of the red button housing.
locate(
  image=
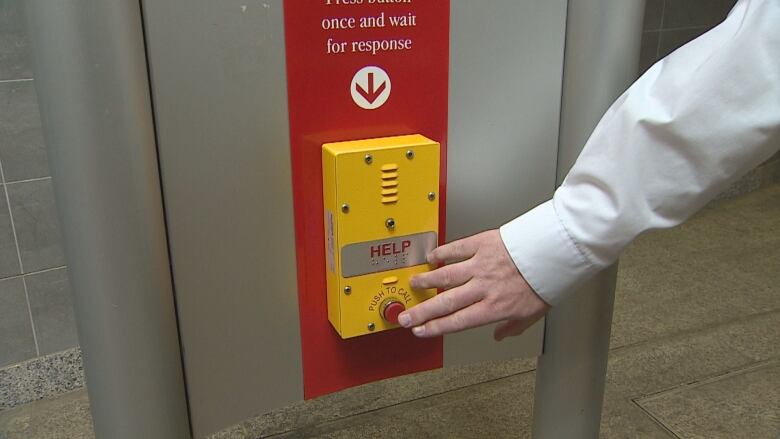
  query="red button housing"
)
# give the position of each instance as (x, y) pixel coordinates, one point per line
(392, 310)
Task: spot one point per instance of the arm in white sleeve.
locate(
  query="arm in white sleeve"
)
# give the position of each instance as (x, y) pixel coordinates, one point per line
(691, 125)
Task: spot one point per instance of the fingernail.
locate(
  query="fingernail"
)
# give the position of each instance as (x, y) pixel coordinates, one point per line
(413, 283)
(404, 320)
(418, 331)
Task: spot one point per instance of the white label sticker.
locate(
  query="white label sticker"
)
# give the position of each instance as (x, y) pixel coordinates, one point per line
(331, 245)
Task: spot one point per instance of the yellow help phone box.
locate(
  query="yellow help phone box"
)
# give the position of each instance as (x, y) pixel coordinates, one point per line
(381, 219)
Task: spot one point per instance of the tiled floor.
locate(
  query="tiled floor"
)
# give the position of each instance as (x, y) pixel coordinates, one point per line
(747, 397)
(695, 354)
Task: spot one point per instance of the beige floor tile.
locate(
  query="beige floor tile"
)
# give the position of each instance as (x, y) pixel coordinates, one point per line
(622, 418)
(65, 417)
(640, 370)
(742, 404)
(721, 265)
(498, 409)
(375, 396)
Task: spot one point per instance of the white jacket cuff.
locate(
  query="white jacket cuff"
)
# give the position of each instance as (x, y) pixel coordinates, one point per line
(545, 253)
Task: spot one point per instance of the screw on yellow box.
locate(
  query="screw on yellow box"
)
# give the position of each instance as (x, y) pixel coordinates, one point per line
(381, 219)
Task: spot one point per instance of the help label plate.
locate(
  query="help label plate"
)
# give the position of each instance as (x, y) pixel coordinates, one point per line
(386, 254)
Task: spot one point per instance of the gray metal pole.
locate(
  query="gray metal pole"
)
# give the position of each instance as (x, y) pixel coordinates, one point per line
(601, 59)
(93, 89)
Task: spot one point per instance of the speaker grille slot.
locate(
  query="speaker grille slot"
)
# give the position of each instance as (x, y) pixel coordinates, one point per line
(389, 185)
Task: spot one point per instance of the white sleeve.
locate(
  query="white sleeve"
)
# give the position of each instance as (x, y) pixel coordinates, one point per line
(686, 129)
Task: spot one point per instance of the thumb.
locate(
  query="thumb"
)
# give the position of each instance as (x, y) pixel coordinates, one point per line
(510, 328)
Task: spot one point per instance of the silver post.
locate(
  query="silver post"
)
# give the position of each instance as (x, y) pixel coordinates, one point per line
(571, 372)
(92, 82)
(601, 58)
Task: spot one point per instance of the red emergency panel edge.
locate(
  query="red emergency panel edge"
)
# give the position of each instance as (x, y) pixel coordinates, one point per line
(322, 110)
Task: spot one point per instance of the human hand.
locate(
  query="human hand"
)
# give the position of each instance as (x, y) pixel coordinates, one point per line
(482, 286)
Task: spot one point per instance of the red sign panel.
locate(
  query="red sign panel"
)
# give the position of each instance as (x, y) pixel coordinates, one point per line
(358, 69)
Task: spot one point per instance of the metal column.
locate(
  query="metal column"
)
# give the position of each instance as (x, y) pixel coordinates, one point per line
(92, 79)
(602, 49)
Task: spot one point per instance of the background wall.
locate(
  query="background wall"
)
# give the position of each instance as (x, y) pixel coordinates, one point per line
(36, 313)
(671, 23)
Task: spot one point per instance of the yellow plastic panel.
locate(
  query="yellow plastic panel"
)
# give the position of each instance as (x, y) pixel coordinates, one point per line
(381, 219)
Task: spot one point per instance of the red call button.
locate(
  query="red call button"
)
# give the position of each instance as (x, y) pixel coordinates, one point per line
(392, 310)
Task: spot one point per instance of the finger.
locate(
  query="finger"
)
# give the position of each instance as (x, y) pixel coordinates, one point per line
(470, 317)
(511, 328)
(441, 304)
(446, 277)
(454, 251)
